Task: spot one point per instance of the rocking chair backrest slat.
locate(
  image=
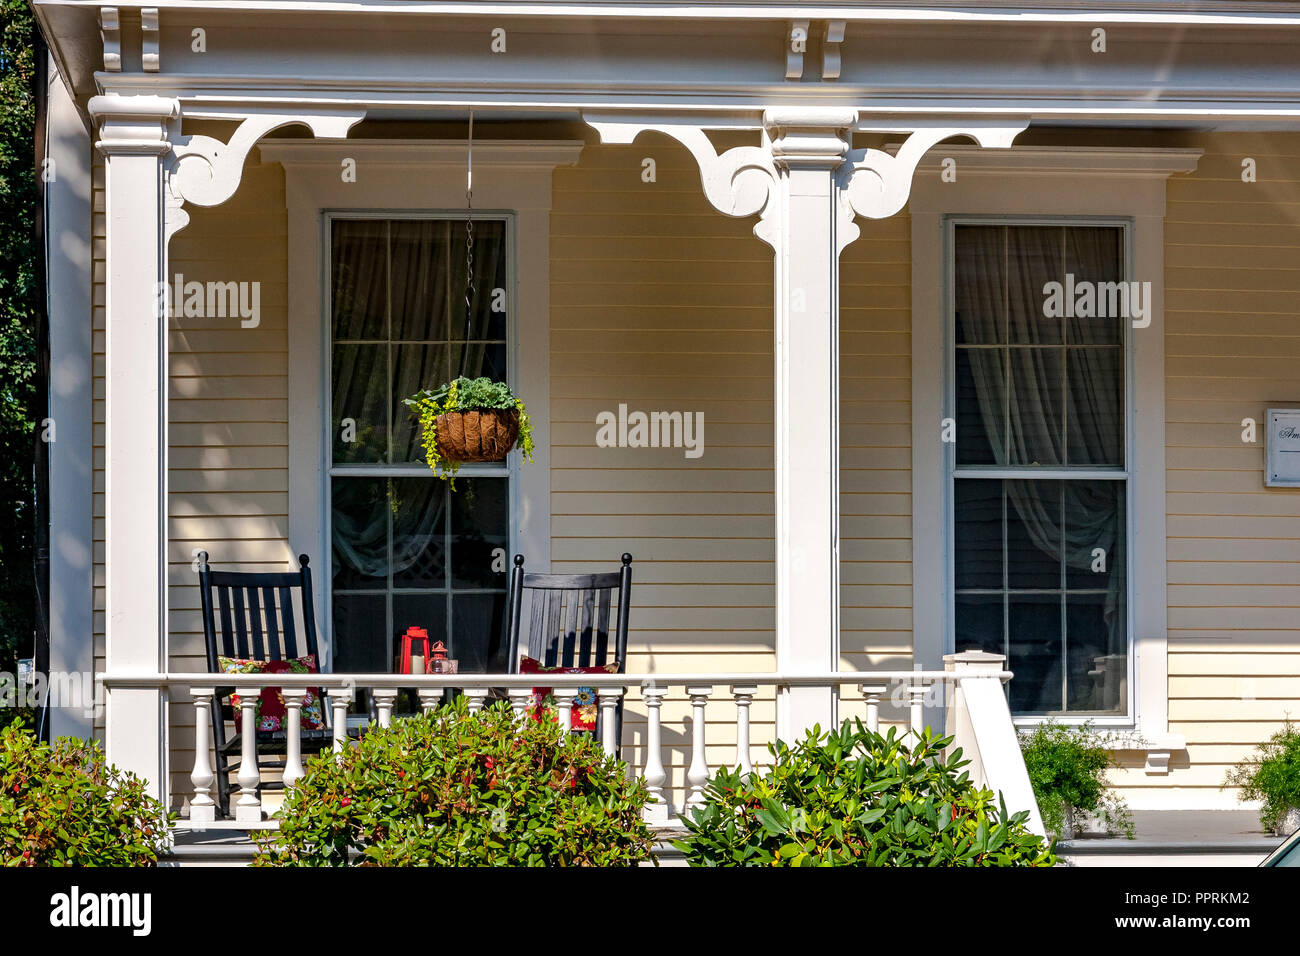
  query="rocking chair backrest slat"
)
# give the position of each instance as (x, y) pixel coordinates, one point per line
(569, 622)
(256, 613)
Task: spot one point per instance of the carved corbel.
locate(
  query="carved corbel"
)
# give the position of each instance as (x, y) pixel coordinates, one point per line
(206, 172)
(737, 183)
(150, 60)
(110, 35)
(877, 184)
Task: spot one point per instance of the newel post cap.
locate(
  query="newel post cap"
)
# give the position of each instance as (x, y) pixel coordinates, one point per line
(974, 661)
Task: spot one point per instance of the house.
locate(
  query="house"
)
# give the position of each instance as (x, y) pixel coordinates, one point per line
(979, 324)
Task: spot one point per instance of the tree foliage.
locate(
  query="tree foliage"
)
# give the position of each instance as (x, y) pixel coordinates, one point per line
(18, 302)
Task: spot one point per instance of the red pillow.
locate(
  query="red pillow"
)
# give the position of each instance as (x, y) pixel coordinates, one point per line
(270, 711)
(586, 703)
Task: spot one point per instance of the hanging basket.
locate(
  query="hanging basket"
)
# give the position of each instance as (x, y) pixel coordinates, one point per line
(484, 435)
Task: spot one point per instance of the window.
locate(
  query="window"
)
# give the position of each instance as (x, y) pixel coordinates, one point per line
(1039, 468)
(405, 550)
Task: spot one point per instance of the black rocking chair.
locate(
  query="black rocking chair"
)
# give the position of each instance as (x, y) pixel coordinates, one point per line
(569, 622)
(250, 628)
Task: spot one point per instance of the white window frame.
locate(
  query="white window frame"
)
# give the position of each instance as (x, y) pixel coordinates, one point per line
(416, 177)
(509, 470)
(1123, 721)
(1065, 183)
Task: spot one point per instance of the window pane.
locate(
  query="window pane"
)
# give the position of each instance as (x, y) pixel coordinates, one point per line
(360, 633)
(360, 403)
(358, 304)
(978, 534)
(981, 408)
(475, 359)
(480, 524)
(428, 611)
(979, 286)
(1036, 413)
(1034, 258)
(489, 275)
(1034, 642)
(1096, 653)
(1094, 254)
(979, 623)
(1034, 535)
(414, 367)
(1094, 520)
(419, 533)
(1095, 406)
(476, 625)
(420, 255)
(359, 525)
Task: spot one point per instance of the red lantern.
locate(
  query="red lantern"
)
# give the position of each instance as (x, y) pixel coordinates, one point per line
(441, 664)
(404, 656)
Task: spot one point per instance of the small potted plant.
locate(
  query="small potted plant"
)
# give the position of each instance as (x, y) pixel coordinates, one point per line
(1067, 768)
(1271, 775)
(470, 419)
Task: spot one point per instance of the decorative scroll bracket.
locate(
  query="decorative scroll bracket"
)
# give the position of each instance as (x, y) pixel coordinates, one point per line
(737, 183)
(206, 172)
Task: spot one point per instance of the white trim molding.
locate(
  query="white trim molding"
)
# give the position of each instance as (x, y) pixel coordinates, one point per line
(406, 177)
(1123, 184)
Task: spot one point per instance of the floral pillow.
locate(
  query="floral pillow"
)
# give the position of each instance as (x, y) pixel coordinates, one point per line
(270, 711)
(586, 703)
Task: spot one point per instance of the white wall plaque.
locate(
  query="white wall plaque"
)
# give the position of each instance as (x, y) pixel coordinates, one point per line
(1282, 456)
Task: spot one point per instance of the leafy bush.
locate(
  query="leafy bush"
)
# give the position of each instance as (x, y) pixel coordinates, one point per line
(62, 805)
(1272, 776)
(449, 788)
(853, 797)
(464, 395)
(1067, 767)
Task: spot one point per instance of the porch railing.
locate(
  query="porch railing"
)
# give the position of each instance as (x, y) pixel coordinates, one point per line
(970, 689)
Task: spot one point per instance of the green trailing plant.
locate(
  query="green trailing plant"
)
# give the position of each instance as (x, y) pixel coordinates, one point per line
(853, 797)
(1271, 775)
(465, 395)
(1067, 767)
(453, 788)
(64, 805)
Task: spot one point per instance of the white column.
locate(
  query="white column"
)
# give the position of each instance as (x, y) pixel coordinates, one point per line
(657, 810)
(293, 770)
(697, 774)
(744, 694)
(808, 146)
(133, 139)
(249, 807)
(384, 697)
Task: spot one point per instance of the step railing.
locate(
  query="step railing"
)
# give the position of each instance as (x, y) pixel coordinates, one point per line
(969, 692)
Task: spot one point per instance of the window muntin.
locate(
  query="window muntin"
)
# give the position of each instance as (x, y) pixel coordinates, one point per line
(1039, 486)
(405, 550)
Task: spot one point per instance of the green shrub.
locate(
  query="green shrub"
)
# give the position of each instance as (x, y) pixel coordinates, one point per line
(63, 805)
(449, 788)
(1067, 767)
(857, 798)
(1271, 775)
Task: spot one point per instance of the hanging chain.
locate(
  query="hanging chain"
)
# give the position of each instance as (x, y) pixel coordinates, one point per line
(469, 231)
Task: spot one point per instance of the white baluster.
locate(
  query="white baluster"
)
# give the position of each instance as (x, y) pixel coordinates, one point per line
(697, 775)
(340, 697)
(609, 698)
(293, 771)
(519, 700)
(476, 696)
(430, 697)
(657, 810)
(249, 807)
(917, 708)
(384, 697)
(873, 693)
(564, 704)
(202, 807)
(744, 694)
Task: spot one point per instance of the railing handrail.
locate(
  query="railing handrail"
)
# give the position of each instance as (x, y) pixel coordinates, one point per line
(344, 681)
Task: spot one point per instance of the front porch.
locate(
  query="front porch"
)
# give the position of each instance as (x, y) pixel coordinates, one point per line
(775, 257)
